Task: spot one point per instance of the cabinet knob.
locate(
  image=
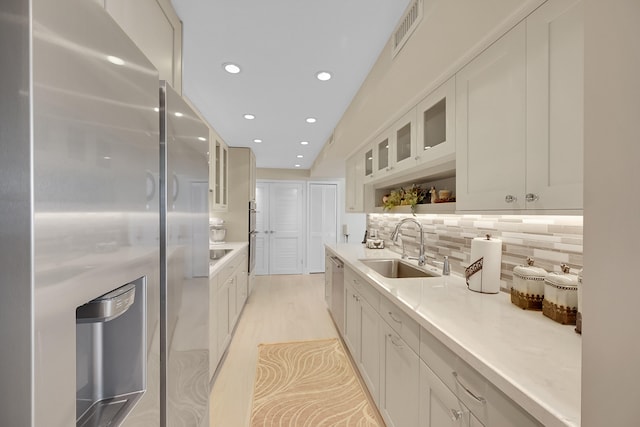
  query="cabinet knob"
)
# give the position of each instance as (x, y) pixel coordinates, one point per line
(530, 197)
(456, 414)
(510, 199)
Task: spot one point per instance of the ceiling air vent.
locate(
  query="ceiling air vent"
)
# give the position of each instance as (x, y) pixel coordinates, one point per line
(407, 25)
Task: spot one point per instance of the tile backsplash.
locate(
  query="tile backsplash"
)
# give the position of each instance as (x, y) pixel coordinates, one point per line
(550, 240)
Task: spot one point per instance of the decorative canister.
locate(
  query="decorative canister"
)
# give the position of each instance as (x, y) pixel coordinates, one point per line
(579, 314)
(561, 296)
(528, 286)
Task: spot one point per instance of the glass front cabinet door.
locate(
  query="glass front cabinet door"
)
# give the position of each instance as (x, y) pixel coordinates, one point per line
(436, 125)
(403, 140)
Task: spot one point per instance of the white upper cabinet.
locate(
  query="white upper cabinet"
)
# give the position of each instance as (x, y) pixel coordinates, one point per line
(519, 117)
(218, 173)
(555, 81)
(403, 141)
(354, 175)
(490, 126)
(436, 125)
(156, 29)
(383, 154)
(367, 158)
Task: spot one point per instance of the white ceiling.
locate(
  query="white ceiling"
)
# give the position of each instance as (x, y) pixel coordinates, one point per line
(280, 46)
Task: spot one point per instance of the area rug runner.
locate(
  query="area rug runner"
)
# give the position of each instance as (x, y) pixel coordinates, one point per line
(309, 384)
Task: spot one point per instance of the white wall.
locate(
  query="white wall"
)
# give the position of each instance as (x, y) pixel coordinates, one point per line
(611, 335)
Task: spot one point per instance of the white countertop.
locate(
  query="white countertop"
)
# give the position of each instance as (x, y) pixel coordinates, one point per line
(217, 265)
(529, 357)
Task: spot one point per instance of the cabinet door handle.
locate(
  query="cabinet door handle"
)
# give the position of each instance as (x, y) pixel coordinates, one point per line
(530, 197)
(394, 342)
(479, 399)
(394, 318)
(510, 198)
(456, 414)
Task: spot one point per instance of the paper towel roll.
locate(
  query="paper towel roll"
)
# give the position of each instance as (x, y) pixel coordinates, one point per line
(486, 280)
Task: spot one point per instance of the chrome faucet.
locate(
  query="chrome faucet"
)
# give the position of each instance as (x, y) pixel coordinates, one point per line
(394, 237)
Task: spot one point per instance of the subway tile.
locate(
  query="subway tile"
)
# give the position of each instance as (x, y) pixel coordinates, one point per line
(551, 255)
(567, 248)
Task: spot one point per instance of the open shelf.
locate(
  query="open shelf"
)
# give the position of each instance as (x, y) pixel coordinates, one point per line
(427, 208)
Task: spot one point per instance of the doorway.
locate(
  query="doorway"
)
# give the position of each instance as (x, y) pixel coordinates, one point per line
(279, 226)
(323, 222)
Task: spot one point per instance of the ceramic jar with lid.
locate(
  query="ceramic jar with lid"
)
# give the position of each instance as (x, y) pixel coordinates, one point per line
(528, 286)
(561, 296)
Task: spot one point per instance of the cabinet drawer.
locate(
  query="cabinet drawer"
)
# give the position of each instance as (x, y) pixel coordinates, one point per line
(365, 290)
(400, 322)
(491, 406)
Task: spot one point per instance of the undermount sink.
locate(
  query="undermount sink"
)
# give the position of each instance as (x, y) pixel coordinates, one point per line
(396, 268)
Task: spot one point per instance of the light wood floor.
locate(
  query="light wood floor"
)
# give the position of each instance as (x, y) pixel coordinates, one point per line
(281, 308)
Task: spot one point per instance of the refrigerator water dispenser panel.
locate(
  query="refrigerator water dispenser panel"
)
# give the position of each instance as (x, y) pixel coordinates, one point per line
(110, 355)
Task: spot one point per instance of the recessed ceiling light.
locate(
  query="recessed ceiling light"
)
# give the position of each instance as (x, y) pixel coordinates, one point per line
(257, 141)
(156, 109)
(115, 60)
(299, 156)
(311, 120)
(107, 158)
(178, 114)
(297, 166)
(202, 138)
(231, 68)
(249, 116)
(304, 142)
(323, 75)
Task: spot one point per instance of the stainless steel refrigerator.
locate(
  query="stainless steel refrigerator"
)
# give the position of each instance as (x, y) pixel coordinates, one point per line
(184, 265)
(79, 220)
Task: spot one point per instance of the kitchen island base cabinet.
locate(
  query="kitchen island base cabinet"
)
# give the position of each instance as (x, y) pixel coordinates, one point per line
(400, 385)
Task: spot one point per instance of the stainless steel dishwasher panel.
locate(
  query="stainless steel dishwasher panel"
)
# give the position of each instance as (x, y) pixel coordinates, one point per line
(337, 292)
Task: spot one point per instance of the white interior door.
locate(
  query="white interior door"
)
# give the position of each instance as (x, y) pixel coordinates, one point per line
(262, 229)
(286, 225)
(279, 223)
(323, 223)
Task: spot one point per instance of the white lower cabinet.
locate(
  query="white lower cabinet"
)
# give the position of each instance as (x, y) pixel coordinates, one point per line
(439, 407)
(213, 325)
(223, 318)
(413, 377)
(362, 334)
(399, 385)
(229, 290)
(488, 405)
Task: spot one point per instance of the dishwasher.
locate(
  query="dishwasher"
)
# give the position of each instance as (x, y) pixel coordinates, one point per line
(337, 292)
